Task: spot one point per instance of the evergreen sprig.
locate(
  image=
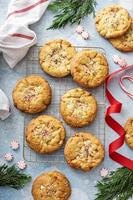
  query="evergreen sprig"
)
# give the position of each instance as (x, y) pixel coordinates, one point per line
(13, 177)
(70, 11)
(117, 186)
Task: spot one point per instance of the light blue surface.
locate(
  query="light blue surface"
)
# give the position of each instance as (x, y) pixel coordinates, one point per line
(82, 188)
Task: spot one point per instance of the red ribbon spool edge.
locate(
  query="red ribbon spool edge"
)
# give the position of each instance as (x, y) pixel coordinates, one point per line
(115, 107)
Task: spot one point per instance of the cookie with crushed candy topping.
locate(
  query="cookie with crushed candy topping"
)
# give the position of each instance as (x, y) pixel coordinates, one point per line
(32, 94)
(84, 151)
(51, 185)
(129, 132)
(55, 57)
(89, 68)
(45, 134)
(112, 21)
(125, 42)
(78, 107)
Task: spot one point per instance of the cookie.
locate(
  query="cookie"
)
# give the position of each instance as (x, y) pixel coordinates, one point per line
(89, 68)
(55, 57)
(45, 134)
(78, 107)
(124, 43)
(84, 151)
(113, 21)
(129, 132)
(32, 94)
(51, 186)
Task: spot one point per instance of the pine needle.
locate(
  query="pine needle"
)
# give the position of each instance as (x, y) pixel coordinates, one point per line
(117, 186)
(13, 177)
(70, 11)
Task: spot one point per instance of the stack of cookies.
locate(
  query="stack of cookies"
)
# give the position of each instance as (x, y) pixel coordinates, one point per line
(115, 24)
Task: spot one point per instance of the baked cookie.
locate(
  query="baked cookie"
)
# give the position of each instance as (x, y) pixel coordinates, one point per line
(112, 21)
(51, 186)
(78, 107)
(45, 134)
(32, 94)
(89, 68)
(84, 151)
(129, 132)
(125, 42)
(55, 57)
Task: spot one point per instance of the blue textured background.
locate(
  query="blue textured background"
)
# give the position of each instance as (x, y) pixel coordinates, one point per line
(83, 188)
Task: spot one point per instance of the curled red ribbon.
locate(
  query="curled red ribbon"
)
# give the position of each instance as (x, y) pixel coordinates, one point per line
(115, 107)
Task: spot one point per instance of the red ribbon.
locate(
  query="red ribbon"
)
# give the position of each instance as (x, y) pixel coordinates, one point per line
(115, 107)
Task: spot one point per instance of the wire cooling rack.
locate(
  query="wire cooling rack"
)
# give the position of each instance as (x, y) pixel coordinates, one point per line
(59, 87)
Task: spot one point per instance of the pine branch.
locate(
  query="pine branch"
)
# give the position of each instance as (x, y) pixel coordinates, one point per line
(117, 186)
(70, 11)
(12, 177)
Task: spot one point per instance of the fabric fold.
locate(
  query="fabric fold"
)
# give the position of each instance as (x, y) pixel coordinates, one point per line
(15, 35)
(4, 106)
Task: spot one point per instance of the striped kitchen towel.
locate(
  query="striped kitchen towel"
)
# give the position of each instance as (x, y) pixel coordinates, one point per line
(15, 35)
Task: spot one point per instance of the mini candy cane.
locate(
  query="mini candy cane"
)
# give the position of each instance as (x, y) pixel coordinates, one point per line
(123, 63)
(123, 87)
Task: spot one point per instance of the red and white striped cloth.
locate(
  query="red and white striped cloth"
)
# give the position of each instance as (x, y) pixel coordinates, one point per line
(4, 106)
(15, 36)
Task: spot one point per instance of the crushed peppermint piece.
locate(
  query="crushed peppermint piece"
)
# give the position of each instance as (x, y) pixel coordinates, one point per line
(116, 59)
(85, 35)
(104, 172)
(21, 165)
(120, 61)
(14, 145)
(79, 29)
(8, 157)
